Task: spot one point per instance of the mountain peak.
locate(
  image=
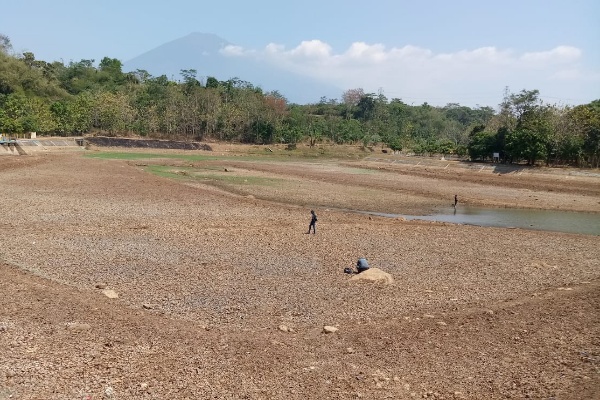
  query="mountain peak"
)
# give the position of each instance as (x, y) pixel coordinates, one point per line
(205, 39)
(201, 51)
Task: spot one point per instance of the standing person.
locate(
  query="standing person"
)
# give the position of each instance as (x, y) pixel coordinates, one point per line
(313, 222)
(455, 200)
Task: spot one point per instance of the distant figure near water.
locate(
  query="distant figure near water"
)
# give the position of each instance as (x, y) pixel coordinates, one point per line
(313, 222)
(455, 200)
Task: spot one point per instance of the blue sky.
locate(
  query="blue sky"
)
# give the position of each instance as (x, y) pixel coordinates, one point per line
(437, 51)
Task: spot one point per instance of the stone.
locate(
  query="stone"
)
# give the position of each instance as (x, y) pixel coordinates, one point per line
(109, 392)
(111, 294)
(77, 326)
(101, 286)
(374, 275)
(285, 328)
(329, 329)
(147, 306)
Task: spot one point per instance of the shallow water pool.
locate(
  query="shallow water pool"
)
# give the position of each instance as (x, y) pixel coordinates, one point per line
(546, 220)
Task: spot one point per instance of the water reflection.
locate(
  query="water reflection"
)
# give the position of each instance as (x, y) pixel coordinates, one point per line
(546, 220)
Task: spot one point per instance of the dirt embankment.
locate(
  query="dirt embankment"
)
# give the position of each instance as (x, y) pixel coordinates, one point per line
(104, 141)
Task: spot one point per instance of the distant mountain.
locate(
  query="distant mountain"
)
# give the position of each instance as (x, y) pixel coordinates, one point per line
(200, 51)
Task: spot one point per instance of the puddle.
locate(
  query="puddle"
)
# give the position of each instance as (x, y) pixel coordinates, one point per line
(545, 220)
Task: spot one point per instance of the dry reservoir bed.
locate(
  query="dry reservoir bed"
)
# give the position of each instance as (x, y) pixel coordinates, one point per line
(221, 294)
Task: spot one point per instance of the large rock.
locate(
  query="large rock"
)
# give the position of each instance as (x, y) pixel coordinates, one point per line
(111, 294)
(77, 326)
(373, 275)
(329, 329)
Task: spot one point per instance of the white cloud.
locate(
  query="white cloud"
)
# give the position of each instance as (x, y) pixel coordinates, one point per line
(236, 51)
(560, 54)
(311, 49)
(411, 72)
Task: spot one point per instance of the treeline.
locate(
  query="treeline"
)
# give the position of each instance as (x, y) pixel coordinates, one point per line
(81, 97)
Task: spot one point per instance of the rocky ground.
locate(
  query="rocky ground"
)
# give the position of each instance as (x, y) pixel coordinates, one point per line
(222, 294)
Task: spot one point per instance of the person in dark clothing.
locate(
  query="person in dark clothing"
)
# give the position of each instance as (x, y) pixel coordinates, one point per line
(313, 222)
(362, 265)
(455, 200)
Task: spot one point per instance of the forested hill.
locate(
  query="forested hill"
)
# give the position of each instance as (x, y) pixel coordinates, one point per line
(83, 97)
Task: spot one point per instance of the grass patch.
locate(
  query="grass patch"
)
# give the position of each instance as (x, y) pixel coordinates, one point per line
(225, 177)
(168, 171)
(240, 180)
(276, 153)
(258, 156)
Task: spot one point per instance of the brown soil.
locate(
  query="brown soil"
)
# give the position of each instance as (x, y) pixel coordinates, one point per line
(222, 294)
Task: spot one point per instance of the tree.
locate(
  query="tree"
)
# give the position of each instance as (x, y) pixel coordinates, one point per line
(113, 114)
(189, 79)
(395, 144)
(79, 76)
(111, 65)
(482, 144)
(13, 113)
(110, 74)
(29, 59)
(350, 98)
(526, 143)
(365, 108)
(527, 126)
(5, 45)
(62, 117)
(212, 82)
(586, 120)
(295, 125)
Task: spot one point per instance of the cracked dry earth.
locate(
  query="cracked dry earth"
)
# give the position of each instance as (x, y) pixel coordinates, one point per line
(222, 295)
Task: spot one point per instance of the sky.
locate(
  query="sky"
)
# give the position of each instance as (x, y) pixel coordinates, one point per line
(434, 51)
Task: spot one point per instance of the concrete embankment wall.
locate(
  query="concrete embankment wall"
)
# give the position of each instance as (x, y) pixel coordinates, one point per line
(29, 146)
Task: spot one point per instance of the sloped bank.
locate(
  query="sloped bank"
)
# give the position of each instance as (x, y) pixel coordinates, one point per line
(103, 141)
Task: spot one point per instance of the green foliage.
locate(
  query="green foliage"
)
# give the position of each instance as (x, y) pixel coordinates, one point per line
(527, 131)
(445, 146)
(212, 82)
(350, 131)
(482, 145)
(395, 144)
(5, 45)
(54, 98)
(27, 76)
(365, 108)
(586, 124)
(12, 113)
(526, 144)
